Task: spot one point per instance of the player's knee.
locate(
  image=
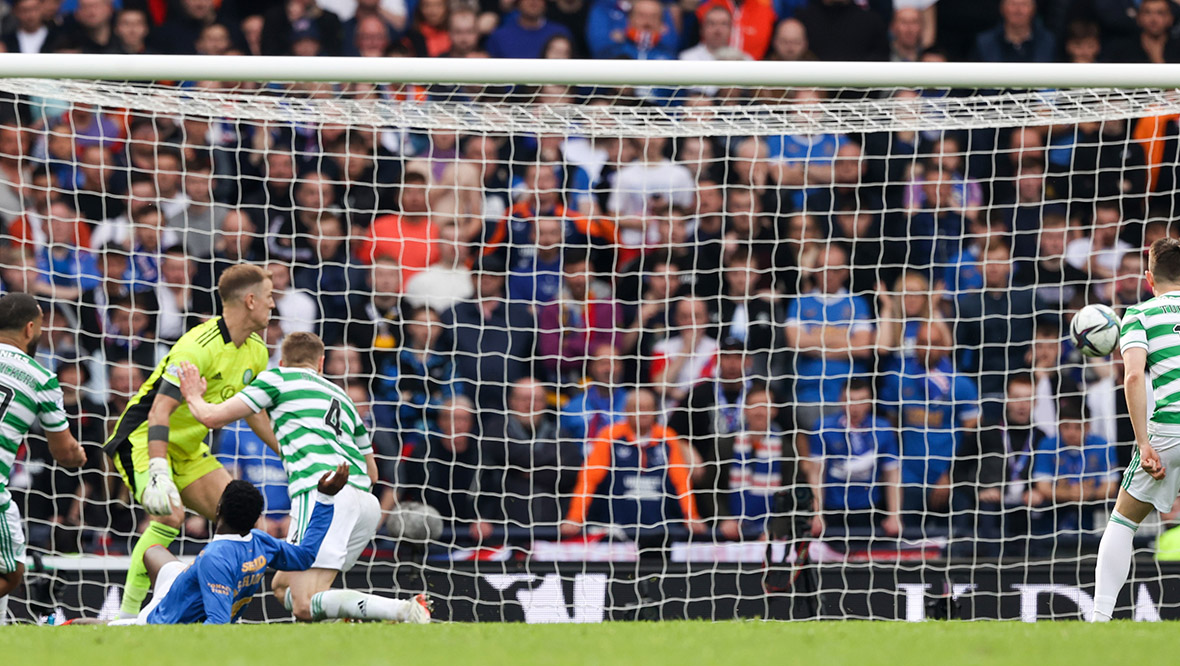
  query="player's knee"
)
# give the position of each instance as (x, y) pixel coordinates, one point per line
(10, 582)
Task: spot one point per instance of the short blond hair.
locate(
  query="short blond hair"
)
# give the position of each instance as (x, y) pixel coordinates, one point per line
(301, 348)
(237, 280)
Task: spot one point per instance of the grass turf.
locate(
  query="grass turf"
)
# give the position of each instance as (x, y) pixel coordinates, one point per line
(609, 644)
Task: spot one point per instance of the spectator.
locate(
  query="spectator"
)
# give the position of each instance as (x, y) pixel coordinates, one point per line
(651, 183)
(362, 35)
(759, 469)
(935, 230)
(1155, 42)
(180, 305)
(1020, 37)
(790, 42)
(343, 366)
(441, 472)
(1083, 42)
(994, 326)
(284, 23)
(32, 34)
(332, 277)
(123, 380)
(186, 26)
(906, 35)
(214, 39)
(247, 457)
(558, 47)
(716, 33)
(1058, 286)
(380, 329)
(964, 273)
(446, 282)
(582, 318)
(531, 463)
(132, 31)
(688, 355)
(428, 36)
(415, 382)
(1100, 252)
(295, 309)
(68, 266)
(1130, 288)
(935, 410)
(130, 334)
(1052, 380)
(843, 30)
(831, 332)
(463, 28)
(607, 24)
(748, 314)
(203, 216)
(524, 33)
(234, 244)
(490, 340)
(646, 37)
(1075, 470)
(801, 162)
(535, 276)
(640, 471)
(855, 466)
(752, 25)
(147, 236)
(1105, 163)
(902, 313)
(89, 30)
(602, 399)
(92, 307)
(410, 238)
(710, 418)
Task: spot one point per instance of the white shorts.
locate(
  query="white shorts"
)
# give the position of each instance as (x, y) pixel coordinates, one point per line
(1158, 493)
(12, 540)
(354, 524)
(165, 577)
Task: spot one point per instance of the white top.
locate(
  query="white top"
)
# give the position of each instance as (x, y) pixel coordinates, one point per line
(439, 288)
(31, 42)
(297, 311)
(637, 182)
(1078, 253)
(913, 4)
(346, 9)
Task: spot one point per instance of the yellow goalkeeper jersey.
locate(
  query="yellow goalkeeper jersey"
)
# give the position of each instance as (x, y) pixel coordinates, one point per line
(226, 368)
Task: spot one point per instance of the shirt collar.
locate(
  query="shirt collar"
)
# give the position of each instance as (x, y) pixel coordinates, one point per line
(233, 537)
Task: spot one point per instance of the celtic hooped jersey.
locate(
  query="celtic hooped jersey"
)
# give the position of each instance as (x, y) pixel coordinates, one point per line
(1154, 325)
(28, 394)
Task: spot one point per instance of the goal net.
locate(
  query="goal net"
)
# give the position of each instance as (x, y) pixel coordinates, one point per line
(641, 351)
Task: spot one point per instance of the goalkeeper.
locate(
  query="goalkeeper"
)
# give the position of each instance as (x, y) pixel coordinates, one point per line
(159, 448)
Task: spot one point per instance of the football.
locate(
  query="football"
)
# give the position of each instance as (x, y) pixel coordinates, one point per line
(1095, 330)
(414, 521)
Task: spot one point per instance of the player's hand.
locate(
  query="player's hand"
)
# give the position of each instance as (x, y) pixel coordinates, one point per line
(891, 526)
(160, 495)
(1150, 461)
(697, 527)
(730, 529)
(192, 384)
(334, 482)
(991, 495)
(570, 529)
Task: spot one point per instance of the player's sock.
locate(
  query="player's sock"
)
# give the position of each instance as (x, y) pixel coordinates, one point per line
(287, 600)
(4, 610)
(1114, 564)
(136, 588)
(348, 604)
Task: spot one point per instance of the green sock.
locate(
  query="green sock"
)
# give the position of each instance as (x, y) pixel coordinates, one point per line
(136, 588)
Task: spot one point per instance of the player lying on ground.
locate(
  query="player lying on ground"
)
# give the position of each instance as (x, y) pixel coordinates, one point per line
(317, 426)
(28, 393)
(159, 448)
(1150, 341)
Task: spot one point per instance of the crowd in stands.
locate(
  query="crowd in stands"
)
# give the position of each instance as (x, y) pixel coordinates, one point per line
(549, 335)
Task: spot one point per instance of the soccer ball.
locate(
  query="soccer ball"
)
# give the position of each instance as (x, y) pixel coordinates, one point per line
(1095, 330)
(414, 521)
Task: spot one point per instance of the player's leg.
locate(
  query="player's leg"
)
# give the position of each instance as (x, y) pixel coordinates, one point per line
(12, 556)
(1115, 549)
(308, 594)
(161, 531)
(155, 559)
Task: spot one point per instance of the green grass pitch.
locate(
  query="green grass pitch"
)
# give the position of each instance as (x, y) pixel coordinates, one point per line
(609, 644)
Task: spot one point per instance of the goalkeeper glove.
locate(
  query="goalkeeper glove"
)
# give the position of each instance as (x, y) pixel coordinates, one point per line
(160, 495)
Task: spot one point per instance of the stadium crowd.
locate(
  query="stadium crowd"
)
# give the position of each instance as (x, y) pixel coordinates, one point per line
(550, 333)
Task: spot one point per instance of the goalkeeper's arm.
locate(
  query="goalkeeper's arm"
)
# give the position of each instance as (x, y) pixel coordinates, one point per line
(160, 497)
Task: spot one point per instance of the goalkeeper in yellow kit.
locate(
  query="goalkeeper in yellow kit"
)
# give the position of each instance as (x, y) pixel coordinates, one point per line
(159, 448)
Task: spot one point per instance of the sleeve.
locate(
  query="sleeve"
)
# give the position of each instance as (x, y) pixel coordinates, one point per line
(678, 472)
(184, 350)
(816, 440)
(1045, 459)
(1132, 333)
(261, 393)
(888, 451)
(300, 557)
(891, 394)
(217, 580)
(862, 318)
(966, 400)
(595, 470)
(50, 410)
(793, 313)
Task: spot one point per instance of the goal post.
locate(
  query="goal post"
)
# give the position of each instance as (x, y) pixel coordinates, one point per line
(634, 340)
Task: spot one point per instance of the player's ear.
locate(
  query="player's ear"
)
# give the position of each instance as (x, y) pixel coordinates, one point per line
(320, 366)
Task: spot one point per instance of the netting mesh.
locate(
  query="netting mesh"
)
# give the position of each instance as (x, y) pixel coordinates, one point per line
(681, 333)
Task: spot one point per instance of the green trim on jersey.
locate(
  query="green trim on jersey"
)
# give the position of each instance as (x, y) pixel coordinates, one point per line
(29, 395)
(1154, 326)
(316, 423)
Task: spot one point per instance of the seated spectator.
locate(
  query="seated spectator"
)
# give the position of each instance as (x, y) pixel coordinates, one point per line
(410, 238)
(294, 308)
(1130, 287)
(609, 21)
(602, 399)
(524, 33)
(147, 235)
(716, 34)
(92, 308)
(584, 316)
(999, 471)
(1155, 42)
(181, 305)
(935, 410)
(531, 464)
(387, 448)
(343, 366)
(844, 30)
(416, 381)
(428, 35)
(646, 37)
(441, 471)
(234, 244)
(1075, 471)
(332, 277)
(1083, 42)
(203, 216)
(382, 304)
(247, 457)
(905, 35)
(30, 229)
(447, 281)
(934, 231)
(367, 36)
(1020, 37)
(636, 476)
(965, 270)
(89, 30)
(803, 163)
(285, 22)
(535, 277)
(130, 332)
(132, 31)
(32, 32)
(946, 155)
(790, 42)
(1100, 251)
(1101, 161)
(902, 313)
(855, 466)
(750, 315)
(1053, 379)
(184, 27)
(1057, 285)
(759, 467)
(993, 327)
(463, 27)
(831, 332)
(711, 416)
(652, 182)
(67, 266)
(489, 339)
(688, 355)
(752, 24)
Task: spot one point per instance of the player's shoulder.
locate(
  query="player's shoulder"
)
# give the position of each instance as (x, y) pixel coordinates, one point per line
(206, 335)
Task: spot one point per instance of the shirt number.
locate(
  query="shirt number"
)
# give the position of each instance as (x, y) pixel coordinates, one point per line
(332, 418)
(6, 396)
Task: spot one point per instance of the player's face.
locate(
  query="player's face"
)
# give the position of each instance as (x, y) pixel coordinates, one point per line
(264, 302)
(35, 332)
